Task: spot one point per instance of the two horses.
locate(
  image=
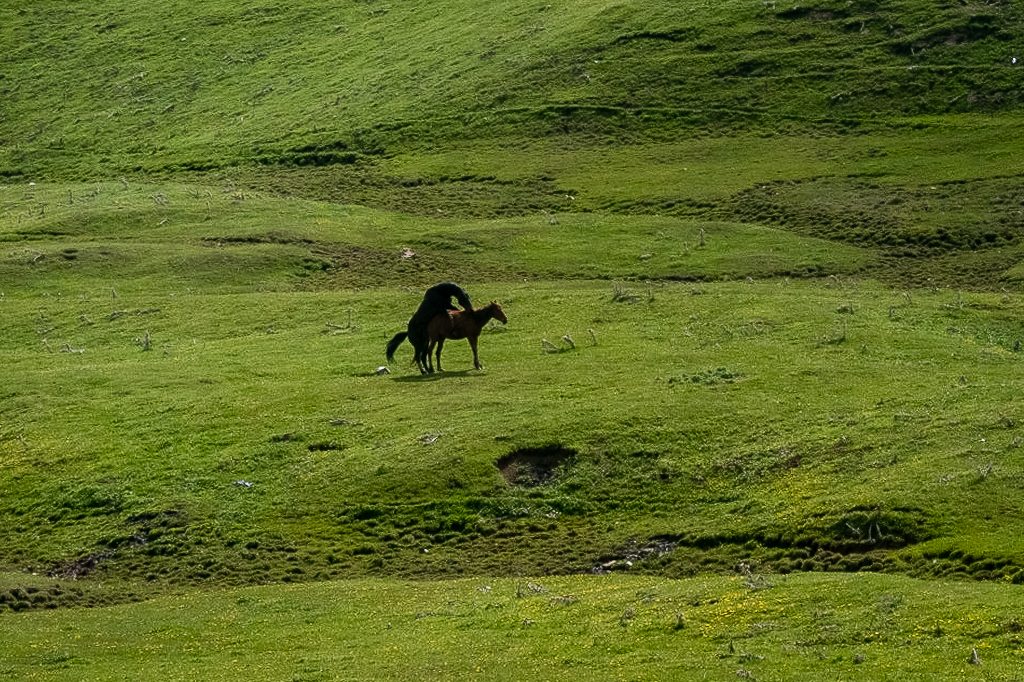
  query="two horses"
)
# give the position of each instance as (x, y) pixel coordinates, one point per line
(455, 324)
(437, 300)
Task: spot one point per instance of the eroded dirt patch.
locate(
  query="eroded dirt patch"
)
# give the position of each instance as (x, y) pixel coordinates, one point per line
(531, 467)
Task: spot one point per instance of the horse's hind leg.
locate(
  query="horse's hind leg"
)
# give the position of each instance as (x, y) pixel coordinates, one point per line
(428, 353)
(440, 345)
(427, 350)
(420, 361)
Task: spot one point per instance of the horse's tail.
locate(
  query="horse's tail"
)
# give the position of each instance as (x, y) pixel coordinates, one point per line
(463, 298)
(394, 343)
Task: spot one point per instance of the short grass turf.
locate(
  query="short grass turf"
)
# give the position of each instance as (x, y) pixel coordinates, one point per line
(183, 436)
(576, 627)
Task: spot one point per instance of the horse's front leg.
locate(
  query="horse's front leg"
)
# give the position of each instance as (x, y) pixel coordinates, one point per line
(440, 345)
(476, 357)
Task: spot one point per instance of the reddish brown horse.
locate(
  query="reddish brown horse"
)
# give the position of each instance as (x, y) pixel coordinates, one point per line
(461, 324)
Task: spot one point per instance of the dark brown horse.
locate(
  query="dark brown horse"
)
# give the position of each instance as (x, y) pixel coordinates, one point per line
(461, 324)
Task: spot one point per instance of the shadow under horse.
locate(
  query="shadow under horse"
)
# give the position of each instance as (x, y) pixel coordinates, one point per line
(461, 324)
(437, 300)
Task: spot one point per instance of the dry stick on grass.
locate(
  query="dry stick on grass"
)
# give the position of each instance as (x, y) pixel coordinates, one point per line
(621, 294)
(339, 328)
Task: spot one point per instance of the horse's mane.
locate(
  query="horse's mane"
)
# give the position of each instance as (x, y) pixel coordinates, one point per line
(482, 315)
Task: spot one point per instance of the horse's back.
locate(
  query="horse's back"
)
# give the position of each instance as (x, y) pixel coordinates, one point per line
(468, 324)
(455, 324)
(440, 326)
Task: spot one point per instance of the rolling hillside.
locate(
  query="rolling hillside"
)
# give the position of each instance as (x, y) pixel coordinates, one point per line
(762, 263)
(98, 90)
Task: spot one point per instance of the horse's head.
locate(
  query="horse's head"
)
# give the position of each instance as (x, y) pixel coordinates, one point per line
(497, 313)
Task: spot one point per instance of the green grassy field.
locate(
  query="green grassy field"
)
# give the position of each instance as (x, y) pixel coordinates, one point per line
(607, 627)
(756, 413)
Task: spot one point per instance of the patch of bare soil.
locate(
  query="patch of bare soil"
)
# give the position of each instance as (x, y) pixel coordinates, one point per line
(531, 467)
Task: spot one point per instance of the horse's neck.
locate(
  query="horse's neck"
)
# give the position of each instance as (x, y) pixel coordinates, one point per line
(483, 315)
